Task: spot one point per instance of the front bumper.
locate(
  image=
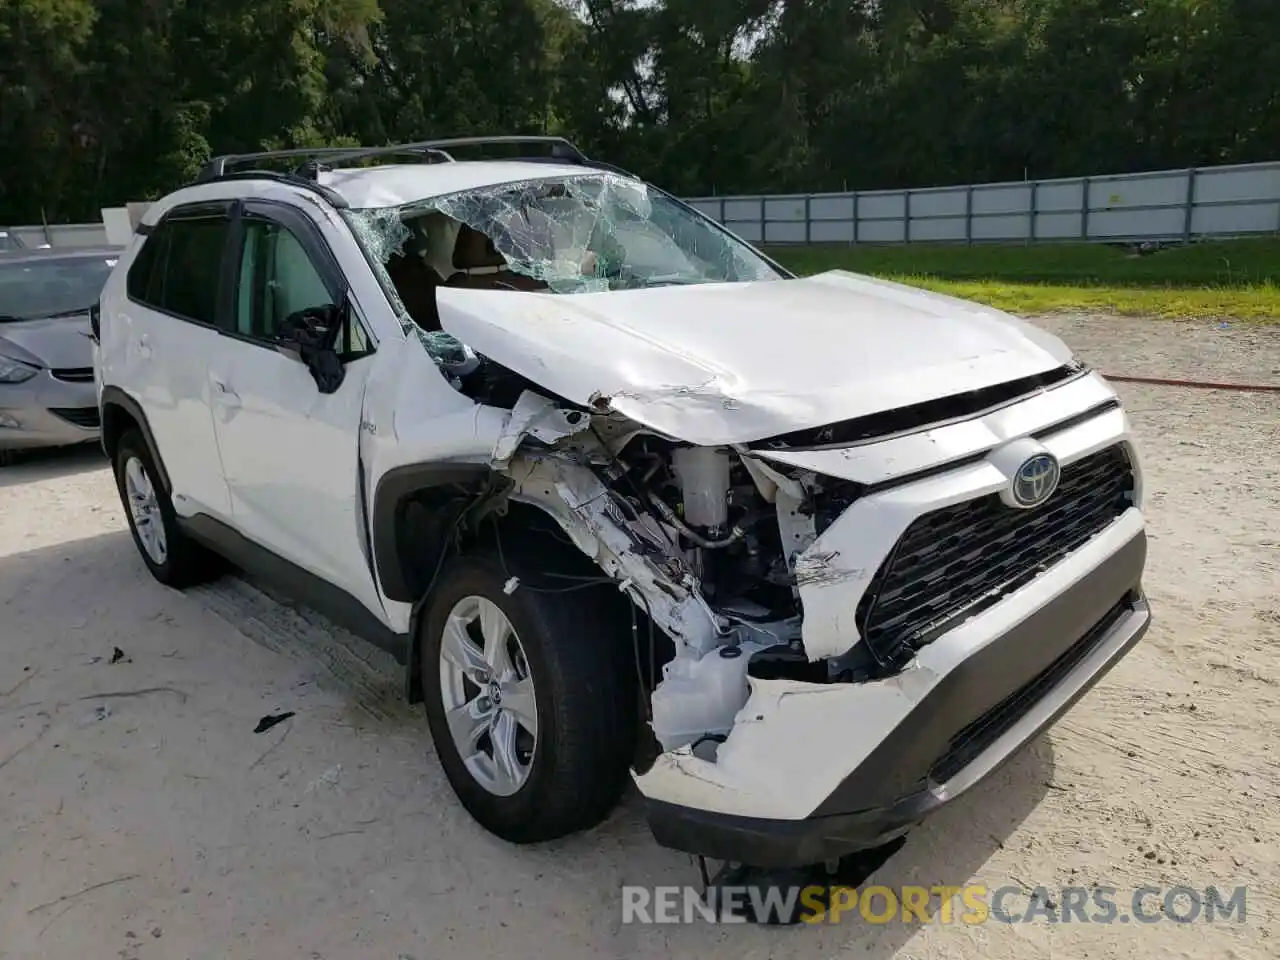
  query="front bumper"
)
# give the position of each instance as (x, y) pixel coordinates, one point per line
(962, 725)
(48, 412)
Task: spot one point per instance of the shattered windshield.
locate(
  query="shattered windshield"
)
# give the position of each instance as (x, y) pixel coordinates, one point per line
(590, 233)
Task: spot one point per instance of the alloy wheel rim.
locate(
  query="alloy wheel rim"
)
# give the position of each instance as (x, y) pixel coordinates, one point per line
(488, 695)
(144, 511)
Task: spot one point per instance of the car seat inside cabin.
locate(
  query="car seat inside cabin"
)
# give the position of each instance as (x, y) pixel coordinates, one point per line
(442, 251)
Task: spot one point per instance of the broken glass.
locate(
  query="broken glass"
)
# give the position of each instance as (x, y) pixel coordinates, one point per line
(382, 233)
(581, 234)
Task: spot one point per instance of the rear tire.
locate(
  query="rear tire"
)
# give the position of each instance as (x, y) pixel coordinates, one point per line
(571, 770)
(173, 558)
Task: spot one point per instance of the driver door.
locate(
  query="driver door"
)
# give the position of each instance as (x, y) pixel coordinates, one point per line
(290, 453)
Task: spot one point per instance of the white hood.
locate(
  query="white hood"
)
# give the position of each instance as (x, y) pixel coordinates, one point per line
(733, 363)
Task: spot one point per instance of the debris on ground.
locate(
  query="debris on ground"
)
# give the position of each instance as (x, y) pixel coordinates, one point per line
(97, 715)
(270, 720)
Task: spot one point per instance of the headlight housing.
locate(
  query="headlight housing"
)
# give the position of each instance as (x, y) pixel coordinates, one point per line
(15, 371)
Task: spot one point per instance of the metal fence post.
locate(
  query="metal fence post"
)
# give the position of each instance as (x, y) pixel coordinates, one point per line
(855, 218)
(808, 219)
(1084, 208)
(1031, 232)
(968, 214)
(722, 209)
(1191, 204)
(906, 217)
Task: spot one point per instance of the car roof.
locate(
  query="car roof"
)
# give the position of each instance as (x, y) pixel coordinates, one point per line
(386, 185)
(395, 184)
(57, 253)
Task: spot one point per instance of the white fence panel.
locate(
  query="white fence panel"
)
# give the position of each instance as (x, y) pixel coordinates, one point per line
(1228, 201)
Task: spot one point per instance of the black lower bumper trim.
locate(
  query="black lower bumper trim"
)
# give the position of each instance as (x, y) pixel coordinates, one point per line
(969, 724)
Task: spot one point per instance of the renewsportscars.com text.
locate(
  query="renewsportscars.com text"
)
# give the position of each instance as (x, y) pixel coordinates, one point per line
(971, 904)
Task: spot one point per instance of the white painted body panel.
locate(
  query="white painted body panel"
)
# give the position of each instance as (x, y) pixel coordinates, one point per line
(160, 362)
(395, 184)
(737, 362)
(289, 454)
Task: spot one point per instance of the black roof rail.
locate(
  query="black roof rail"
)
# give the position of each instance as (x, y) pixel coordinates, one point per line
(560, 148)
(311, 160)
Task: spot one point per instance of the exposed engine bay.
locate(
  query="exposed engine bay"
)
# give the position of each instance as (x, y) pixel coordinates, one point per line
(705, 541)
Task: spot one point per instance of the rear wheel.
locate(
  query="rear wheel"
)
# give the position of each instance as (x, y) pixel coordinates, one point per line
(530, 700)
(173, 558)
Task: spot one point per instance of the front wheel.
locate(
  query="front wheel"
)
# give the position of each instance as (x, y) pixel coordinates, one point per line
(530, 700)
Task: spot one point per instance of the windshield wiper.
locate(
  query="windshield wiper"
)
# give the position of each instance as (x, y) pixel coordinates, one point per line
(63, 313)
(673, 280)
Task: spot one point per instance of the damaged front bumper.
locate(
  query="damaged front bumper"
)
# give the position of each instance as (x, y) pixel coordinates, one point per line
(814, 772)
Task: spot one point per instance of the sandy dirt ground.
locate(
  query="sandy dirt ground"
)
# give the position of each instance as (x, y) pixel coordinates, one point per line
(141, 817)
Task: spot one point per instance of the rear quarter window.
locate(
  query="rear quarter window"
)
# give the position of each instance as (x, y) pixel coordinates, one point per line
(178, 268)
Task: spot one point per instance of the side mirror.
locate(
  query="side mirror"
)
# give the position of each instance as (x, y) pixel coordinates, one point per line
(311, 336)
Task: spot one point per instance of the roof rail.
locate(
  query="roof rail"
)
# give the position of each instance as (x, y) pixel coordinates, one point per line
(313, 159)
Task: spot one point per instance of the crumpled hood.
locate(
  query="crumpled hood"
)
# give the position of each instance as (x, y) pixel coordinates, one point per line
(734, 363)
(59, 343)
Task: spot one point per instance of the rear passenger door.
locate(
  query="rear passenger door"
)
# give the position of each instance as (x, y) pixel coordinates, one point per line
(177, 288)
(290, 452)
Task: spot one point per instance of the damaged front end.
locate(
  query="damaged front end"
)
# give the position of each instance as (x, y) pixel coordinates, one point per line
(844, 657)
(715, 545)
(856, 622)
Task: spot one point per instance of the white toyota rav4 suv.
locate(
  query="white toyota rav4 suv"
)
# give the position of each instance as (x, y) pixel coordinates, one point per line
(806, 558)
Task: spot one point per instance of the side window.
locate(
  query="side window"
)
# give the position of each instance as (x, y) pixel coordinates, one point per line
(144, 284)
(178, 268)
(277, 278)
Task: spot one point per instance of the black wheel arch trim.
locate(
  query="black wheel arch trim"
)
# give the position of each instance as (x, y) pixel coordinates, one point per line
(116, 397)
(391, 492)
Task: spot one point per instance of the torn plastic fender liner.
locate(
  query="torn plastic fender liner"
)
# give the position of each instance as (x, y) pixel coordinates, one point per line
(635, 555)
(776, 762)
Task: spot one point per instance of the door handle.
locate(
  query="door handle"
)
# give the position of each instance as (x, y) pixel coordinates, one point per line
(144, 347)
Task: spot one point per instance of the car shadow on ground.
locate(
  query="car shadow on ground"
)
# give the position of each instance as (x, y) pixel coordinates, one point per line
(36, 466)
(406, 809)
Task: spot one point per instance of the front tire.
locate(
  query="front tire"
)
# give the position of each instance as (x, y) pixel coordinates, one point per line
(173, 558)
(530, 700)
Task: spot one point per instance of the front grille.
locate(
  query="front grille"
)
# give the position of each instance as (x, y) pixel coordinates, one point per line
(969, 743)
(73, 374)
(80, 416)
(952, 563)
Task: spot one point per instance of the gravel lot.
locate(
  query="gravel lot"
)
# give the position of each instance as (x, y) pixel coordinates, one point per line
(141, 817)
